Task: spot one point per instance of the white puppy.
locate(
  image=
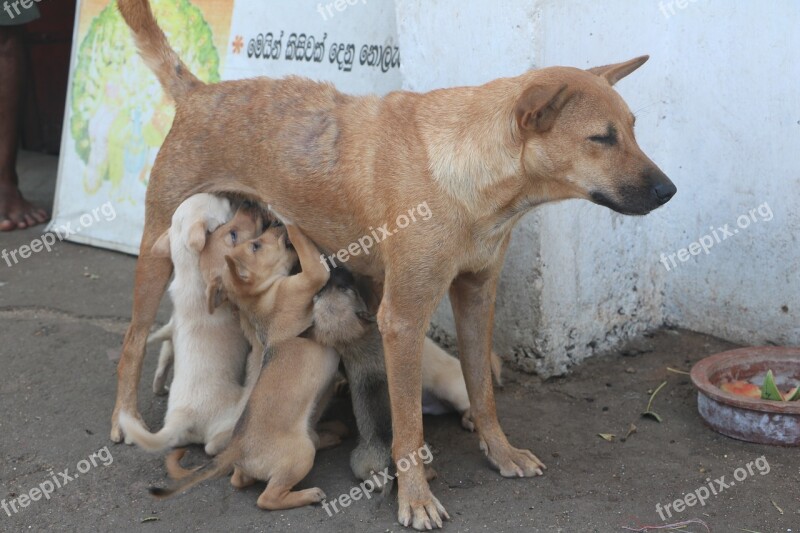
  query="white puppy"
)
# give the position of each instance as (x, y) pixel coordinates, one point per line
(207, 394)
(443, 386)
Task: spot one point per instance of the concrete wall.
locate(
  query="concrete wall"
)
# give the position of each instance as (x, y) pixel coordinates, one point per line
(717, 109)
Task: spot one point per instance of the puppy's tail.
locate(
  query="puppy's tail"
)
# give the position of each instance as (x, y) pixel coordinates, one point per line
(168, 437)
(220, 466)
(173, 464)
(154, 48)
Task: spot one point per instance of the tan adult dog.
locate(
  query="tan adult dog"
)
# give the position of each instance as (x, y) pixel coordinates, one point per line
(339, 166)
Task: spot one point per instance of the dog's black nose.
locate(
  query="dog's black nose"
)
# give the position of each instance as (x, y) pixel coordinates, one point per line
(664, 191)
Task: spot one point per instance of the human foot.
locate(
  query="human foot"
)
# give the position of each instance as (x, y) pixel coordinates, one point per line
(15, 211)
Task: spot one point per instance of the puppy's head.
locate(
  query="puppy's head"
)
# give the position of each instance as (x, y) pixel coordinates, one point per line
(578, 140)
(256, 262)
(194, 218)
(245, 225)
(340, 314)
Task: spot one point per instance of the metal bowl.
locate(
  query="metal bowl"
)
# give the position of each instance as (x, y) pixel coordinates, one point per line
(743, 418)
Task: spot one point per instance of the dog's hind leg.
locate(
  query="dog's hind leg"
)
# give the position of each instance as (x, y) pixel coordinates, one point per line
(473, 296)
(152, 276)
(165, 360)
(218, 442)
(241, 480)
(295, 461)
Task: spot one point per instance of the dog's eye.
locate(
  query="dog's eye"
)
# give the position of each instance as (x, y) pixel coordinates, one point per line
(608, 139)
(234, 236)
(256, 246)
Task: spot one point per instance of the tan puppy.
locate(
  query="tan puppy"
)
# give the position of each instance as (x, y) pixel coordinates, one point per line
(342, 167)
(246, 224)
(275, 440)
(207, 395)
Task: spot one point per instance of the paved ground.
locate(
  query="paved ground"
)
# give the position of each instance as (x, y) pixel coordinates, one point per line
(62, 317)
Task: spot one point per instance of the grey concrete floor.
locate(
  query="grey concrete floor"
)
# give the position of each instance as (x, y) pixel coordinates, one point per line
(61, 326)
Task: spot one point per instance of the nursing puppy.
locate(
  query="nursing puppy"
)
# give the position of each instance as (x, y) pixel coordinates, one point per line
(246, 224)
(207, 395)
(274, 440)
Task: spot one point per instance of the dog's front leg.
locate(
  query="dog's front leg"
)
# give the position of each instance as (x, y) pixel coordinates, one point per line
(403, 317)
(152, 276)
(472, 296)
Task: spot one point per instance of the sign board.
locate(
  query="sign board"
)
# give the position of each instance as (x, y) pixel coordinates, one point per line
(117, 115)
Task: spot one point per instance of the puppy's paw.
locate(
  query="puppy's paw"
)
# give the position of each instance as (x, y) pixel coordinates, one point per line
(160, 387)
(466, 421)
(315, 495)
(512, 462)
(419, 508)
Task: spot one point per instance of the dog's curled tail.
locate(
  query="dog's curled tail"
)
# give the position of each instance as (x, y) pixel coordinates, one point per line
(171, 435)
(220, 466)
(154, 48)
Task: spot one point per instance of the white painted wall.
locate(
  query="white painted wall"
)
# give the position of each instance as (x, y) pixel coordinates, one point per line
(718, 108)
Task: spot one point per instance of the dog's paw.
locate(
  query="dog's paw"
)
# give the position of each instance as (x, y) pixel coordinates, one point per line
(513, 462)
(160, 387)
(419, 508)
(466, 421)
(116, 432)
(316, 495)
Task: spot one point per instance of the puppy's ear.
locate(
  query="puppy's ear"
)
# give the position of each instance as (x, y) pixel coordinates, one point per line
(539, 106)
(161, 248)
(215, 294)
(617, 71)
(196, 240)
(239, 271)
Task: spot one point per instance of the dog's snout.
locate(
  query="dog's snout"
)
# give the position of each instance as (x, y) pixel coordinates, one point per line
(662, 187)
(665, 191)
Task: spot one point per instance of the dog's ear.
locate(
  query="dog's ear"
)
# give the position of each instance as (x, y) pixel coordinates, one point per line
(538, 107)
(215, 294)
(196, 240)
(240, 272)
(617, 71)
(161, 248)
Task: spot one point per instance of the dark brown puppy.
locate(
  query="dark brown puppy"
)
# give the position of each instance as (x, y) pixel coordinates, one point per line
(340, 166)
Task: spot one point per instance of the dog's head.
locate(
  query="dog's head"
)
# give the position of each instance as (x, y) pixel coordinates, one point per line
(255, 263)
(192, 221)
(340, 314)
(578, 141)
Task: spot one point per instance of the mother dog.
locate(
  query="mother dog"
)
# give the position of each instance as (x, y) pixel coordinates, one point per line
(339, 166)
